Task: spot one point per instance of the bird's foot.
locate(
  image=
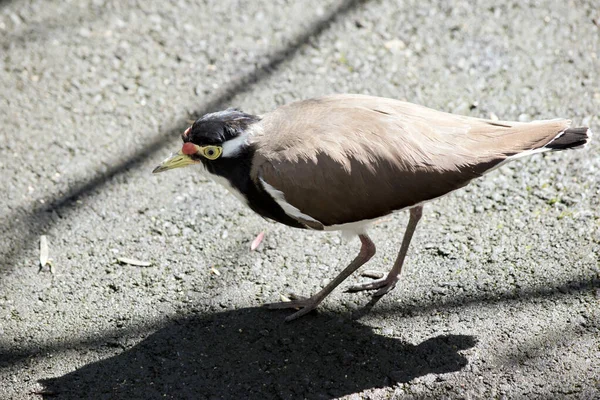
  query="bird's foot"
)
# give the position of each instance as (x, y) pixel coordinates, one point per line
(301, 303)
(382, 285)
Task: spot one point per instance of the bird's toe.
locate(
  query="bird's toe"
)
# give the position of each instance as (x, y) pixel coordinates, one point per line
(284, 304)
(303, 311)
(302, 304)
(382, 286)
(385, 289)
(292, 301)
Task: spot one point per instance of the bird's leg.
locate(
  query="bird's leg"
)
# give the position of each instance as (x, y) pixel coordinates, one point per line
(367, 250)
(386, 284)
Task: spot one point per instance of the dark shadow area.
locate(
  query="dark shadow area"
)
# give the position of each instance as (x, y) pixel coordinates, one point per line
(251, 353)
(40, 218)
(408, 307)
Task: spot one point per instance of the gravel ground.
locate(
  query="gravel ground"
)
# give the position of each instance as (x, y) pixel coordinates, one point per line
(499, 297)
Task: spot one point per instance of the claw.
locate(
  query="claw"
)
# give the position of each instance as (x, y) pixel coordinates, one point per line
(300, 313)
(302, 304)
(383, 286)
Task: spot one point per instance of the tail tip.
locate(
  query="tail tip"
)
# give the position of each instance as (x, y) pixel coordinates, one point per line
(588, 137)
(571, 138)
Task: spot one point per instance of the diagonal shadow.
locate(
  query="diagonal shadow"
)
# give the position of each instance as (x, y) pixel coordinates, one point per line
(39, 217)
(250, 354)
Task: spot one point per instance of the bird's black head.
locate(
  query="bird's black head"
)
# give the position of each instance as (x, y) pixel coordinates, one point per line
(218, 127)
(217, 135)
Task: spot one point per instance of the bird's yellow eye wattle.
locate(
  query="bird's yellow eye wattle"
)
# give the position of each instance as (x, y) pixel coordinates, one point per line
(212, 152)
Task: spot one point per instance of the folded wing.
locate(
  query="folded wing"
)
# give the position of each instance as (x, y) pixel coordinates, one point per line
(347, 158)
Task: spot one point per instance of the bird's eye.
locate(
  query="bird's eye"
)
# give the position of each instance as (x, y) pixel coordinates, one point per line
(212, 152)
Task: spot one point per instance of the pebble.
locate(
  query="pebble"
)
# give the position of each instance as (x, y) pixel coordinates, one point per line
(439, 290)
(457, 228)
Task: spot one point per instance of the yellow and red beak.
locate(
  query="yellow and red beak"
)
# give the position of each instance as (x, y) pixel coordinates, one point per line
(180, 159)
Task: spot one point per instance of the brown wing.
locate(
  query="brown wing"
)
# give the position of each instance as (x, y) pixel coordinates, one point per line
(347, 158)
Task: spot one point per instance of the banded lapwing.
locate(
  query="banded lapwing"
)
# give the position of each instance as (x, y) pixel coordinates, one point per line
(341, 162)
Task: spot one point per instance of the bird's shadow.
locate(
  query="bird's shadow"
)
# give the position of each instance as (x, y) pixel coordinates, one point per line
(251, 353)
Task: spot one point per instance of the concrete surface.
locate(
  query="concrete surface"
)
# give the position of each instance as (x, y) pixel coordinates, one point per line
(500, 295)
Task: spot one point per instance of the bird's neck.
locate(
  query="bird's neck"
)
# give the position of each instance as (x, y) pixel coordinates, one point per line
(234, 173)
(234, 170)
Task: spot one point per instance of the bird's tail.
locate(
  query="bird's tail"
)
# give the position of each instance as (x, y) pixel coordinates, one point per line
(570, 138)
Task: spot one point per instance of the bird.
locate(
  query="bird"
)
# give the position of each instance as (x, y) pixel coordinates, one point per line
(341, 162)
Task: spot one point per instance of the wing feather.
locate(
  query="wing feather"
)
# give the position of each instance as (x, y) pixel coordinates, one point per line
(346, 158)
